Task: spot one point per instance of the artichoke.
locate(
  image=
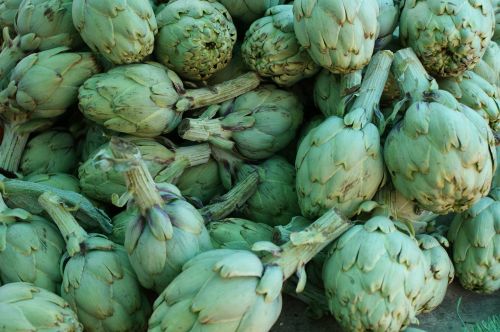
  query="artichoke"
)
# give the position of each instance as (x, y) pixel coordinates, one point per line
(370, 264)
(248, 11)
(235, 67)
(442, 153)
(388, 20)
(195, 39)
(8, 12)
(168, 230)
(122, 31)
(239, 234)
(95, 137)
(230, 290)
(339, 35)
(25, 307)
(30, 249)
(496, 8)
(489, 65)
(98, 281)
(339, 162)
(261, 123)
(148, 99)
(449, 37)
(51, 151)
(475, 238)
(271, 49)
(201, 182)
(57, 180)
(42, 86)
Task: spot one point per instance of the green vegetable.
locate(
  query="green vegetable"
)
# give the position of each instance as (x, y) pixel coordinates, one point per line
(201, 182)
(8, 12)
(95, 137)
(234, 68)
(489, 65)
(248, 11)
(120, 30)
(388, 20)
(57, 180)
(496, 8)
(239, 234)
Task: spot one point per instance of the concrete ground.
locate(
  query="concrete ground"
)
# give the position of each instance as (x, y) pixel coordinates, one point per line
(474, 307)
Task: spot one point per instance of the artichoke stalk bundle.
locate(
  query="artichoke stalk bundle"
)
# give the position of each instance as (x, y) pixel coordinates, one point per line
(233, 290)
(167, 232)
(98, 280)
(442, 154)
(272, 50)
(339, 162)
(195, 38)
(25, 307)
(260, 123)
(31, 248)
(149, 99)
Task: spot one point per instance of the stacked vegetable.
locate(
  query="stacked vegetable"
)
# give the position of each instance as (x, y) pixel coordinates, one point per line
(178, 165)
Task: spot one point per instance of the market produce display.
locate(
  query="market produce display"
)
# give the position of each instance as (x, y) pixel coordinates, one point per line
(179, 165)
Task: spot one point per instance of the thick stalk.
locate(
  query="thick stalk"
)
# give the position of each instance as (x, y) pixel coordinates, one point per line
(185, 157)
(233, 199)
(12, 147)
(216, 94)
(304, 245)
(349, 83)
(203, 130)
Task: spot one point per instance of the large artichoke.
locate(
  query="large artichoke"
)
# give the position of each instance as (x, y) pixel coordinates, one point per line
(248, 11)
(120, 30)
(25, 307)
(449, 36)
(260, 123)
(475, 238)
(148, 99)
(30, 249)
(98, 280)
(442, 153)
(374, 277)
(195, 39)
(339, 35)
(272, 50)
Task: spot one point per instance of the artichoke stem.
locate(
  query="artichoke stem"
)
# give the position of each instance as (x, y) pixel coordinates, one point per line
(304, 245)
(185, 157)
(202, 130)
(216, 94)
(232, 200)
(12, 147)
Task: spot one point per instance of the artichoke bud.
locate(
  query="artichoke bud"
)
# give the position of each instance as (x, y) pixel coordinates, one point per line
(57, 180)
(159, 223)
(240, 234)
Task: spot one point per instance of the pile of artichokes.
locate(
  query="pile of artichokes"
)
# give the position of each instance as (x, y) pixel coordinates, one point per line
(180, 165)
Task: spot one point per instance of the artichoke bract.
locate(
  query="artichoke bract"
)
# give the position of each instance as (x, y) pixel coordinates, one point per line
(442, 153)
(272, 50)
(248, 11)
(239, 234)
(168, 231)
(375, 263)
(57, 180)
(122, 31)
(25, 307)
(496, 7)
(195, 38)
(30, 249)
(449, 37)
(51, 151)
(339, 163)
(98, 281)
(475, 239)
(230, 290)
(261, 123)
(201, 182)
(148, 99)
(339, 35)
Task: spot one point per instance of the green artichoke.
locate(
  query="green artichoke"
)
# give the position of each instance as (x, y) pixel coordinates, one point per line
(25, 307)
(201, 182)
(449, 37)
(339, 163)
(95, 137)
(489, 65)
(148, 99)
(475, 239)
(235, 67)
(163, 163)
(496, 8)
(98, 280)
(51, 151)
(42, 86)
(248, 11)
(229, 290)
(442, 153)
(271, 49)
(120, 224)
(195, 38)
(8, 12)
(57, 180)
(374, 277)
(388, 20)
(238, 234)
(30, 249)
(122, 31)
(261, 123)
(339, 35)
(168, 231)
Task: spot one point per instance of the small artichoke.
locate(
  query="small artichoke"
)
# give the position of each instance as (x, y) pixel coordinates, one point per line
(272, 50)
(57, 180)
(475, 239)
(339, 35)
(201, 182)
(122, 31)
(449, 37)
(25, 307)
(195, 39)
(370, 264)
(239, 234)
(248, 11)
